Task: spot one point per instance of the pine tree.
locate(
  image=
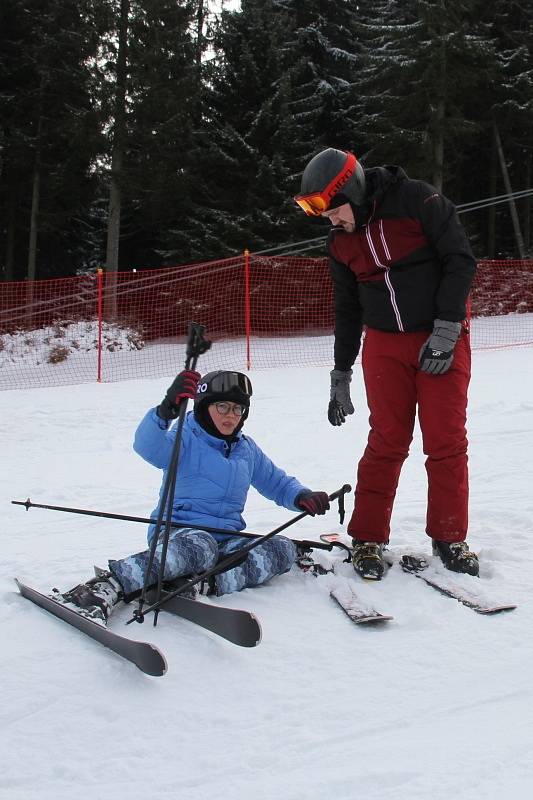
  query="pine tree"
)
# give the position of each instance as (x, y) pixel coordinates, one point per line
(49, 130)
(276, 96)
(213, 148)
(237, 176)
(150, 99)
(513, 114)
(424, 64)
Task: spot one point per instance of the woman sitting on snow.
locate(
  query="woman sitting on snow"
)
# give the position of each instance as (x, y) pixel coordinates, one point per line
(217, 466)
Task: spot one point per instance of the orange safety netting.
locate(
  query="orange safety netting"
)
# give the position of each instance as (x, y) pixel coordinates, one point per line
(260, 312)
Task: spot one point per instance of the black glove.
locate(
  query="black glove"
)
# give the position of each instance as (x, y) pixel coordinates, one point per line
(436, 354)
(184, 386)
(313, 502)
(340, 402)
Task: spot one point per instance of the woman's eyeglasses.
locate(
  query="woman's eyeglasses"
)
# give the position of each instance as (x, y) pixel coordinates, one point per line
(224, 408)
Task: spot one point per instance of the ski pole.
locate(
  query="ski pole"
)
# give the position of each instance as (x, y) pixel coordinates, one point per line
(86, 511)
(196, 345)
(226, 563)
(175, 523)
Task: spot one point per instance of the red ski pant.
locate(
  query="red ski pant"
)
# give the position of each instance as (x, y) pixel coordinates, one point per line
(395, 386)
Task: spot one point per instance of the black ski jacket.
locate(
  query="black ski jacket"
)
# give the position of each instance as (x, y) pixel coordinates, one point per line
(408, 263)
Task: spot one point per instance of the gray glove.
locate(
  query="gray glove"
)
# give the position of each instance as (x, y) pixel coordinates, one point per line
(436, 354)
(340, 402)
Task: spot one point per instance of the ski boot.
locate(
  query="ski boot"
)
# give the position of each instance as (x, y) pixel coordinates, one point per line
(367, 560)
(95, 598)
(456, 557)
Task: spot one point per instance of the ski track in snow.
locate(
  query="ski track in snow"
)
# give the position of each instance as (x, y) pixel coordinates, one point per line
(436, 704)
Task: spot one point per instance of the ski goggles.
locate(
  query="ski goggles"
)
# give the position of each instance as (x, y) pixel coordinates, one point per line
(228, 381)
(316, 203)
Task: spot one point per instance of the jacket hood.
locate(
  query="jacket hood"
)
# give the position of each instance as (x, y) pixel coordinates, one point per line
(380, 178)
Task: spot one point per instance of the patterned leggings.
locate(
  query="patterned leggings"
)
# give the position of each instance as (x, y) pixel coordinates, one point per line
(191, 552)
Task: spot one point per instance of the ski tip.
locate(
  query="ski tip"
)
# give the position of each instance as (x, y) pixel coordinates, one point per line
(330, 537)
(157, 671)
(359, 613)
(496, 609)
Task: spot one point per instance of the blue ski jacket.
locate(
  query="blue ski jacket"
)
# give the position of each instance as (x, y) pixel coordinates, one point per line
(213, 477)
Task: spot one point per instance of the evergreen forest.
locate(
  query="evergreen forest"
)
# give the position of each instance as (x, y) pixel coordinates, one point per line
(145, 133)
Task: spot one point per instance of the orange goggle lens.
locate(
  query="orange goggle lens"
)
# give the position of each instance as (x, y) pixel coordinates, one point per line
(312, 204)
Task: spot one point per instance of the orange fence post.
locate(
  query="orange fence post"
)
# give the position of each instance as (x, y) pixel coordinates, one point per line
(100, 306)
(247, 316)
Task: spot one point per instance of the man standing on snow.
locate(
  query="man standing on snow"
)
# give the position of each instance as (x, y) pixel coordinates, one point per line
(401, 266)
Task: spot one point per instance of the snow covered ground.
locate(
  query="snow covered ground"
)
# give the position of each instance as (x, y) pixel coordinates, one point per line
(438, 704)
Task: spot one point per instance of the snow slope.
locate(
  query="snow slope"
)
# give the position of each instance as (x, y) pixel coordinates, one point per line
(438, 704)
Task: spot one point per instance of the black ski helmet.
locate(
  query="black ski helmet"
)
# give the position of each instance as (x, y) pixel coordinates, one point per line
(337, 173)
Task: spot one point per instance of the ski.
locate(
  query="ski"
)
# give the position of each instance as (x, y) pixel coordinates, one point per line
(355, 609)
(419, 567)
(144, 655)
(345, 596)
(236, 625)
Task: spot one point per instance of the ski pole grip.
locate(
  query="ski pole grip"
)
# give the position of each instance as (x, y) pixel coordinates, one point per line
(340, 494)
(197, 344)
(343, 490)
